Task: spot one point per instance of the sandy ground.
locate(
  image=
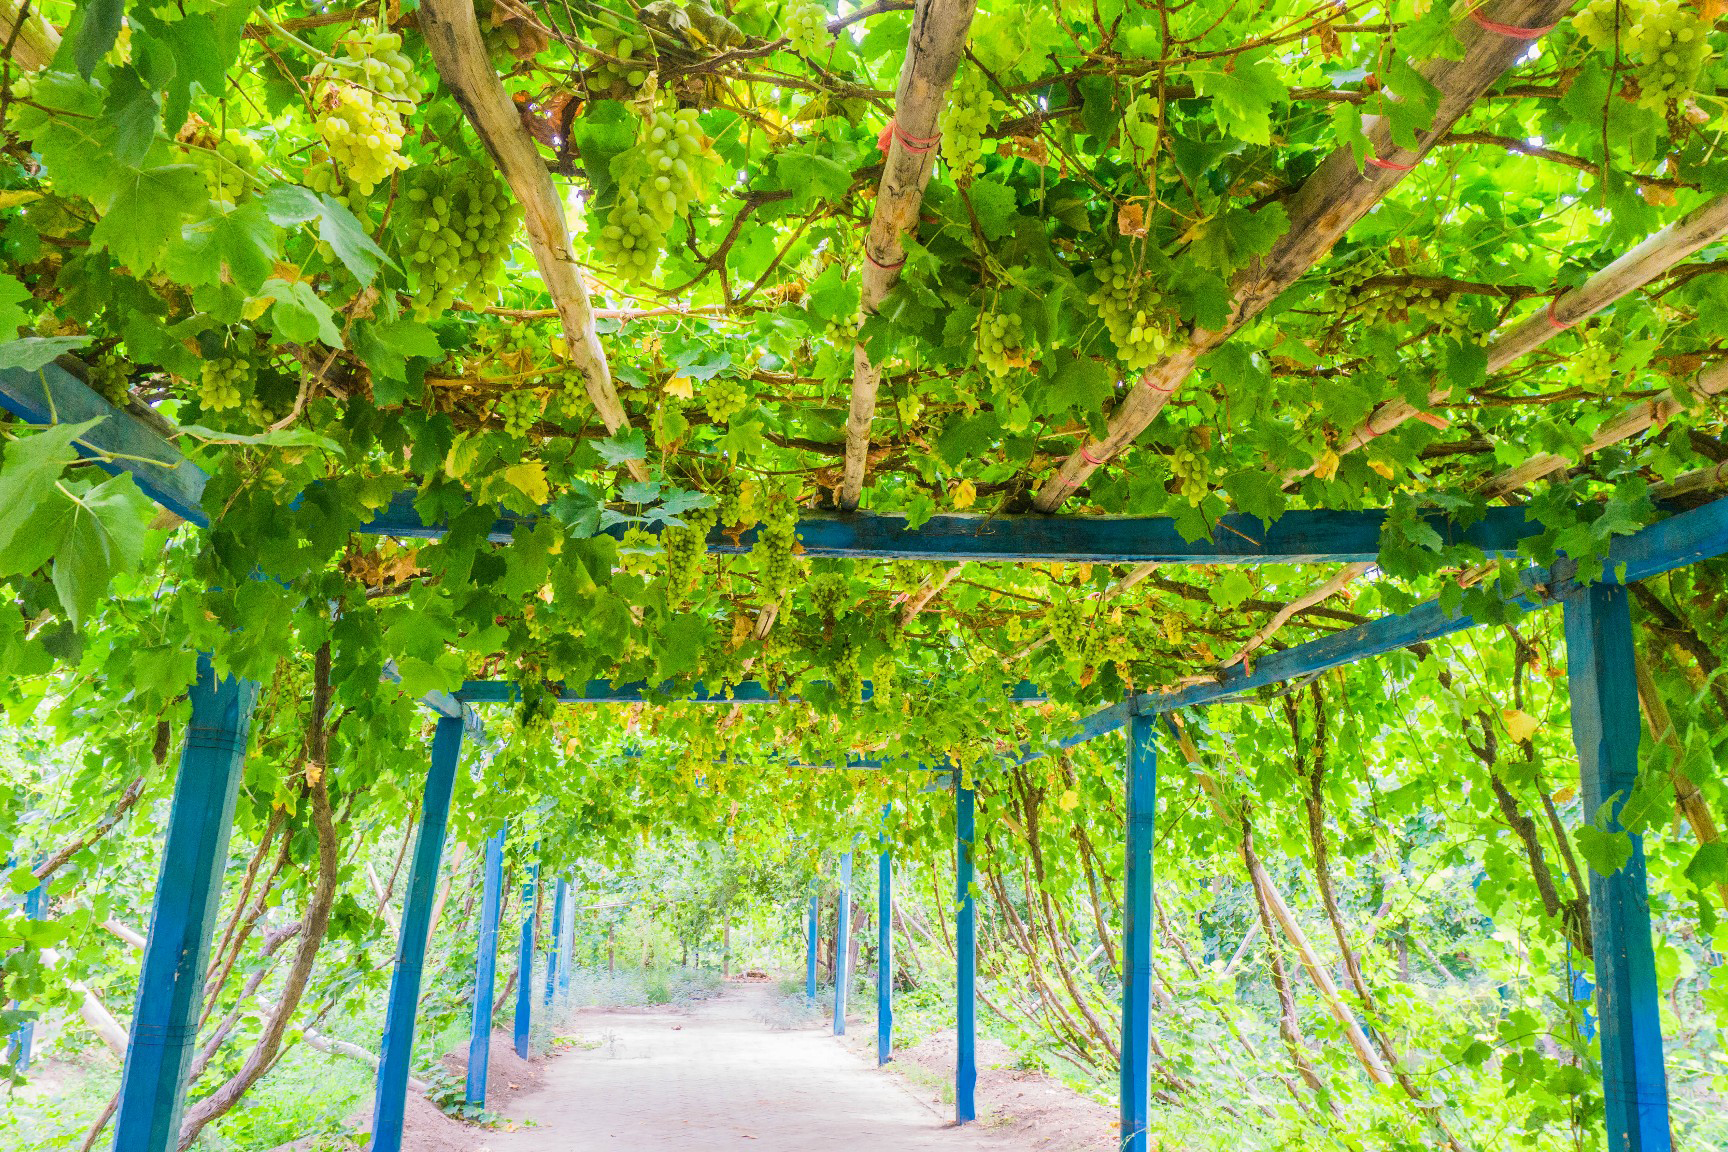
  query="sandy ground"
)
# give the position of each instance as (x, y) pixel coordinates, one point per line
(716, 1077)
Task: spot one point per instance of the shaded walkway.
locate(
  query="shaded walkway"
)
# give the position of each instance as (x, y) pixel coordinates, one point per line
(718, 1078)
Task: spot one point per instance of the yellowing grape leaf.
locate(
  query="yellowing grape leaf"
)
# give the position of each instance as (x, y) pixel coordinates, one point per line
(681, 386)
(1069, 801)
(965, 495)
(1520, 725)
(1326, 466)
(529, 478)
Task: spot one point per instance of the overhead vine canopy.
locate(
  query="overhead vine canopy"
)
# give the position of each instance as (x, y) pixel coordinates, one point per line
(681, 265)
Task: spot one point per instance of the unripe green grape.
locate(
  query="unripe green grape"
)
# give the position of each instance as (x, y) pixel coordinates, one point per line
(965, 119)
(805, 25)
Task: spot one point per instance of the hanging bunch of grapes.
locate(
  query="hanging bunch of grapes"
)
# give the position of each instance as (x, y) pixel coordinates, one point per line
(363, 92)
(462, 223)
(775, 550)
(633, 62)
(1593, 367)
(1002, 343)
(1069, 631)
(1132, 310)
(829, 594)
(229, 161)
(657, 180)
(1666, 41)
(685, 546)
(971, 106)
(805, 25)
(723, 398)
(639, 552)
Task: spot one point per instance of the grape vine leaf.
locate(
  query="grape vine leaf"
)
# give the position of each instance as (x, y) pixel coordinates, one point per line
(12, 317)
(97, 32)
(1242, 94)
(145, 212)
(104, 534)
(32, 353)
(28, 472)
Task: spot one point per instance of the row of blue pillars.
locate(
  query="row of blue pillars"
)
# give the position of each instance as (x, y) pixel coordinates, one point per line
(1605, 723)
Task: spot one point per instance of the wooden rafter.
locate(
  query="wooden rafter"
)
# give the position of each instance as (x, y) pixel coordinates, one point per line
(1638, 267)
(1339, 193)
(932, 55)
(453, 35)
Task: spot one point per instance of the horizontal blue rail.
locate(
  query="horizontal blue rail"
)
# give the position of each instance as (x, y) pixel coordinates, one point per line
(125, 442)
(606, 692)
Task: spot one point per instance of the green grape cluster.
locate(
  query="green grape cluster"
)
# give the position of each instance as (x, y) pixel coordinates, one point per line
(1665, 40)
(971, 106)
(805, 25)
(844, 673)
(685, 546)
(829, 594)
(223, 382)
(1593, 368)
(657, 180)
(229, 165)
(634, 51)
(639, 552)
(520, 410)
(1001, 343)
(1131, 308)
(1067, 628)
(363, 93)
(774, 550)
(109, 376)
(463, 223)
(1193, 474)
(723, 398)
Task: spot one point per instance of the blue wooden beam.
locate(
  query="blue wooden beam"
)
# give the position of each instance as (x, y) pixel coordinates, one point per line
(567, 957)
(24, 1036)
(842, 942)
(486, 970)
(810, 949)
(555, 957)
(396, 1052)
(606, 692)
(188, 892)
(966, 961)
(1136, 1066)
(1604, 690)
(884, 947)
(523, 1022)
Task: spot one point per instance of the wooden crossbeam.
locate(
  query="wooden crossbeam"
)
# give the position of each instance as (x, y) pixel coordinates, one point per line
(1339, 193)
(933, 51)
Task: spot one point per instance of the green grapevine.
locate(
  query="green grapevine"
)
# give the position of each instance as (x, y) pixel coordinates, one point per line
(805, 24)
(829, 594)
(1069, 632)
(1593, 367)
(520, 410)
(634, 53)
(1665, 39)
(463, 223)
(639, 552)
(776, 542)
(110, 375)
(685, 546)
(224, 382)
(1002, 343)
(1131, 308)
(971, 106)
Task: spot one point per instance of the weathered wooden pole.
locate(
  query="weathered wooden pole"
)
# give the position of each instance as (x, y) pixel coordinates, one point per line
(842, 942)
(396, 1051)
(884, 947)
(523, 1022)
(1137, 921)
(486, 969)
(810, 949)
(188, 892)
(555, 957)
(966, 961)
(1604, 689)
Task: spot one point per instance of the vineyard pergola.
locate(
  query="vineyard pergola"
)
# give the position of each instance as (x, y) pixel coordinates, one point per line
(524, 354)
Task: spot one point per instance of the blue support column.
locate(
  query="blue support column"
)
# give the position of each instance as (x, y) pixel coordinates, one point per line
(884, 951)
(523, 1023)
(555, 958)
(567, 958)
(810, 949)
(1137, 913)
(25, 1035)
(842, 942)
(1604, 689)
(188, 892)
(396, 1052)
(486, 969)
(966, 967)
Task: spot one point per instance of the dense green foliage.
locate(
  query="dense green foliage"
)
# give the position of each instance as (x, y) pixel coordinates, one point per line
(275, 227)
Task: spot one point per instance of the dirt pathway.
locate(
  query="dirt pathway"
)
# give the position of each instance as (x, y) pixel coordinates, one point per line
(717, 1078)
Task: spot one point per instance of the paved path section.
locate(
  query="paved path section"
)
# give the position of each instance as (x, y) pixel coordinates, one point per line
(718, 1078)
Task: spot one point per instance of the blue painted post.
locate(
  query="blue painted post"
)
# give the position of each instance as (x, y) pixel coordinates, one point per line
(25, 1035)
(524, 1019)
(567, 957)
(396, 1052)
(810, 950)
(884, 950)
(966, 967)
(842, 942)
(188, 891)
(1135, 1070)
(1604, 690)
(486, 969)
(555, 958)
